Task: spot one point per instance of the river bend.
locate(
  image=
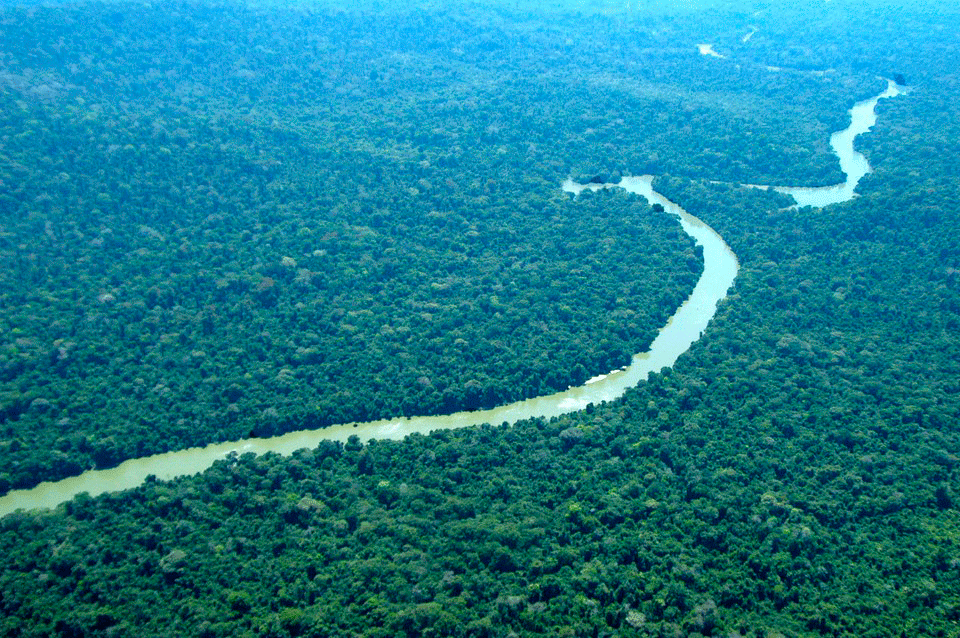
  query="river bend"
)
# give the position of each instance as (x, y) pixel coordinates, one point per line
(675, 338)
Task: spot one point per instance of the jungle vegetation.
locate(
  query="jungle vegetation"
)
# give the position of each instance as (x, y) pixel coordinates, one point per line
(198, 254)
(169, 173)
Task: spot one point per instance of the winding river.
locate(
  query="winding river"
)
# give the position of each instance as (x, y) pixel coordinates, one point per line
(863, 116)
(675, 338)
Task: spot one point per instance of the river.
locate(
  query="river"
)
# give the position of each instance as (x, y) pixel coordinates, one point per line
(681, 331)
(675, 338)
(863, 116)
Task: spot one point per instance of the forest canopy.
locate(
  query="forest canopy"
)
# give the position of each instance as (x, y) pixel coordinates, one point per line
(221, 220)
(201, 255)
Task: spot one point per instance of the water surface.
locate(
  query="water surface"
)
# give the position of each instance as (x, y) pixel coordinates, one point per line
(675, 338)
(863, 116)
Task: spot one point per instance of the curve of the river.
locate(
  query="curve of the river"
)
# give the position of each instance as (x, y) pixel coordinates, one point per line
(863, 116)
(675, 338)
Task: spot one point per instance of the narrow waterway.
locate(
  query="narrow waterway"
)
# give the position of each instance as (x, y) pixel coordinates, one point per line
(707, 49)
(675, 338)
(863, 116)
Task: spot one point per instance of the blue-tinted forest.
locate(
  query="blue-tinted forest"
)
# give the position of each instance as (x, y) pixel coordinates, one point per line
(225, 220)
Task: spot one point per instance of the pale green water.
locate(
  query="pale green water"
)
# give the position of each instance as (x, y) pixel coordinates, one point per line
(675, 338)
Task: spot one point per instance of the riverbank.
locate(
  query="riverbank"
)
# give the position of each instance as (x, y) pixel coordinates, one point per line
(675, 338)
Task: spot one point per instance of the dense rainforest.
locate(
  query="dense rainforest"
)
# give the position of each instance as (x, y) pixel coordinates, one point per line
(794, 474)
(199, 253)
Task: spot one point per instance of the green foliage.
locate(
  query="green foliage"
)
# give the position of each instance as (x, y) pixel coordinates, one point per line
(497, 529)
(794, 474)
(189, 269)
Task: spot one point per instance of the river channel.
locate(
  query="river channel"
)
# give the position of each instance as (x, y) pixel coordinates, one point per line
(675, 338)
(863, 116)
